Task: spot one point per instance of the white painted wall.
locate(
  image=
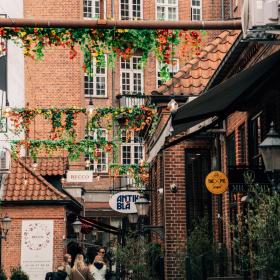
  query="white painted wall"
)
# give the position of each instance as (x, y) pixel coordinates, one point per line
(13, 9)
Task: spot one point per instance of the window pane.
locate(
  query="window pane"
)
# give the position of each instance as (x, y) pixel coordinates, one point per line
(137, 83)
(124, 9)
(126, 154)
(136, 9)
(160, 13)
(100, 86)
(136, 63)
(125, 83)
(87, 8)
(171, 13)
(88, 83)
(231, 150)
(101, 163)
(138, 154)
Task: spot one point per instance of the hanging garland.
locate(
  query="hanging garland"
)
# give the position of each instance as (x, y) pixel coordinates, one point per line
(74, 148)
(135, 118)
(95, 43)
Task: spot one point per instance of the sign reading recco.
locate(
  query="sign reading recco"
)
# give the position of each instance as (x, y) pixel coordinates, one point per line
(84, 176)
(124, 202)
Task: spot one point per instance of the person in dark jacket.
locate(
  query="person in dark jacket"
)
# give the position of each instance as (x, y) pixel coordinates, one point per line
(60, 274)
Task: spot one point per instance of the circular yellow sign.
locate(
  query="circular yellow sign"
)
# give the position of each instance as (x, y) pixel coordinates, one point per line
(216, 182)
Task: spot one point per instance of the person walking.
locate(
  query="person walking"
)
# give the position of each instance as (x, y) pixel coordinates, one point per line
(60, 274)
(99, 268)
(80, 271)
(67, 265)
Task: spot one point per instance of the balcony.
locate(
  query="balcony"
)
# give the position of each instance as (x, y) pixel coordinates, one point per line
(131, 100)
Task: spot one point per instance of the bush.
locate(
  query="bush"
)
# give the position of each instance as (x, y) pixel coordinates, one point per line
(2, 274)
(18, 274)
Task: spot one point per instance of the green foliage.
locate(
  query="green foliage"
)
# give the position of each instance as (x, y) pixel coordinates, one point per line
(259, 243)
(154, 258)
(18, 274)
(138, 256)
(200, 248)
(2, 274)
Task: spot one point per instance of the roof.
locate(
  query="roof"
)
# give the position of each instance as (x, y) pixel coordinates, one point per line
(49, 166)
(234, 94)
(23, 183)
(193, 77)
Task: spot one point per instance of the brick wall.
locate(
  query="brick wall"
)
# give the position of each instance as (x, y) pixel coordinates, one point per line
(11, 248)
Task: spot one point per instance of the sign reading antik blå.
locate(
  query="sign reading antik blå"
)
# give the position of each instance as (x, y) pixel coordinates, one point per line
(124, 202)
(37, 248)
(79, 176)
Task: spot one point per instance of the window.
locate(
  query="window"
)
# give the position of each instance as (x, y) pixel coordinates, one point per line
(3, 161)
(130, 9)
(132, 148)
(172, 68)
(242, 144)
(196, 10)
(96, 84)
(167, 9)
(131, 76)
(231, 157)
(92, 8)
(98, 163)
(255, 140)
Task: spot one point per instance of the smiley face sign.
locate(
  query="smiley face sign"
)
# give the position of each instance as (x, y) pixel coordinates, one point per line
(216, 182)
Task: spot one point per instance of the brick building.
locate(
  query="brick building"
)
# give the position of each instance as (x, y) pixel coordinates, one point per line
(219, 129)
(57, 81)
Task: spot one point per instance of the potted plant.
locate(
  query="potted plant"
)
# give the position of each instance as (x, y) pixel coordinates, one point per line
(2, 274)
(18, 274)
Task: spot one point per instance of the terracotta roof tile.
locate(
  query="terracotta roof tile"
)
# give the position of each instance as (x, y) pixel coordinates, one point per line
(23, 183)
(50, 166)
(193, 77)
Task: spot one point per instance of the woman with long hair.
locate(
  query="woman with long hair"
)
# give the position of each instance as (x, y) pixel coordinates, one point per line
(80, 271)
(98, 268)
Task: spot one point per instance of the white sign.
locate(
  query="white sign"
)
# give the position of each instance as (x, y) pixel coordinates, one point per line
(37, 248)
(84, 176)
(124, 202)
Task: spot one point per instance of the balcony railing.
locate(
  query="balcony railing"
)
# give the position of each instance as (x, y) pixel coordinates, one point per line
(131, 100)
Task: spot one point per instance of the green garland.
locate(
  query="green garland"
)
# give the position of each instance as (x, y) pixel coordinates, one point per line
(95, 43)
(74, 149)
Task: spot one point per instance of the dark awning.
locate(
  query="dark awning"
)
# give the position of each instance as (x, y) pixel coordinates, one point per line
(231, 95)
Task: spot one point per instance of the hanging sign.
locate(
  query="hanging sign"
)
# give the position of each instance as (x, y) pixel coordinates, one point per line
(124, 202)
(82, 176)
(37, 248)
(216, 182)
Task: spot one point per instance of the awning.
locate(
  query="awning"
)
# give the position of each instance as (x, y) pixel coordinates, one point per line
(88, 224)
(231, 95)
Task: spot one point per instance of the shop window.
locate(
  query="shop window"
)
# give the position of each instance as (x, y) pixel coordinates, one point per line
(132, 148)
(255, 138)
(242, 144)
(167, 9)
(231, 152)
(132, 77)
(99, 161)
(96, 83)
(196, 9)
(130, 9)
(198, 199)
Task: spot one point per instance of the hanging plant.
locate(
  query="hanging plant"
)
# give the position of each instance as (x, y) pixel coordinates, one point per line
(95, 43)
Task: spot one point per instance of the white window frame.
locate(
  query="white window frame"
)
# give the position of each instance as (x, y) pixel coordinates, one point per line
(93, 6)
(173, 69)
(130, 11)
(131, 72)
(4, 160)
(132, 144)
(93, 161)
(166, 6)
(95, 76)
(198, 8)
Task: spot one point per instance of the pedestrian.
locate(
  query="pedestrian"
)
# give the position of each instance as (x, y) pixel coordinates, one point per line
(60, 274)
(67, 265)
(99, 268)
(80, 271)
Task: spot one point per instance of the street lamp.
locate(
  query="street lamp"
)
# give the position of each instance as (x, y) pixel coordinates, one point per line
(270, 151)
(132, 218)
(5, 225)
(77, 226)
(142, 206)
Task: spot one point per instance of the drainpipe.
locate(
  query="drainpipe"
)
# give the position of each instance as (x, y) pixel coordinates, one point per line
(222, 9)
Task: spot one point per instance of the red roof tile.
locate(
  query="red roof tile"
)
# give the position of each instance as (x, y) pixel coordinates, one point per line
(193, 77)
(49, 166)
(23, 183)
